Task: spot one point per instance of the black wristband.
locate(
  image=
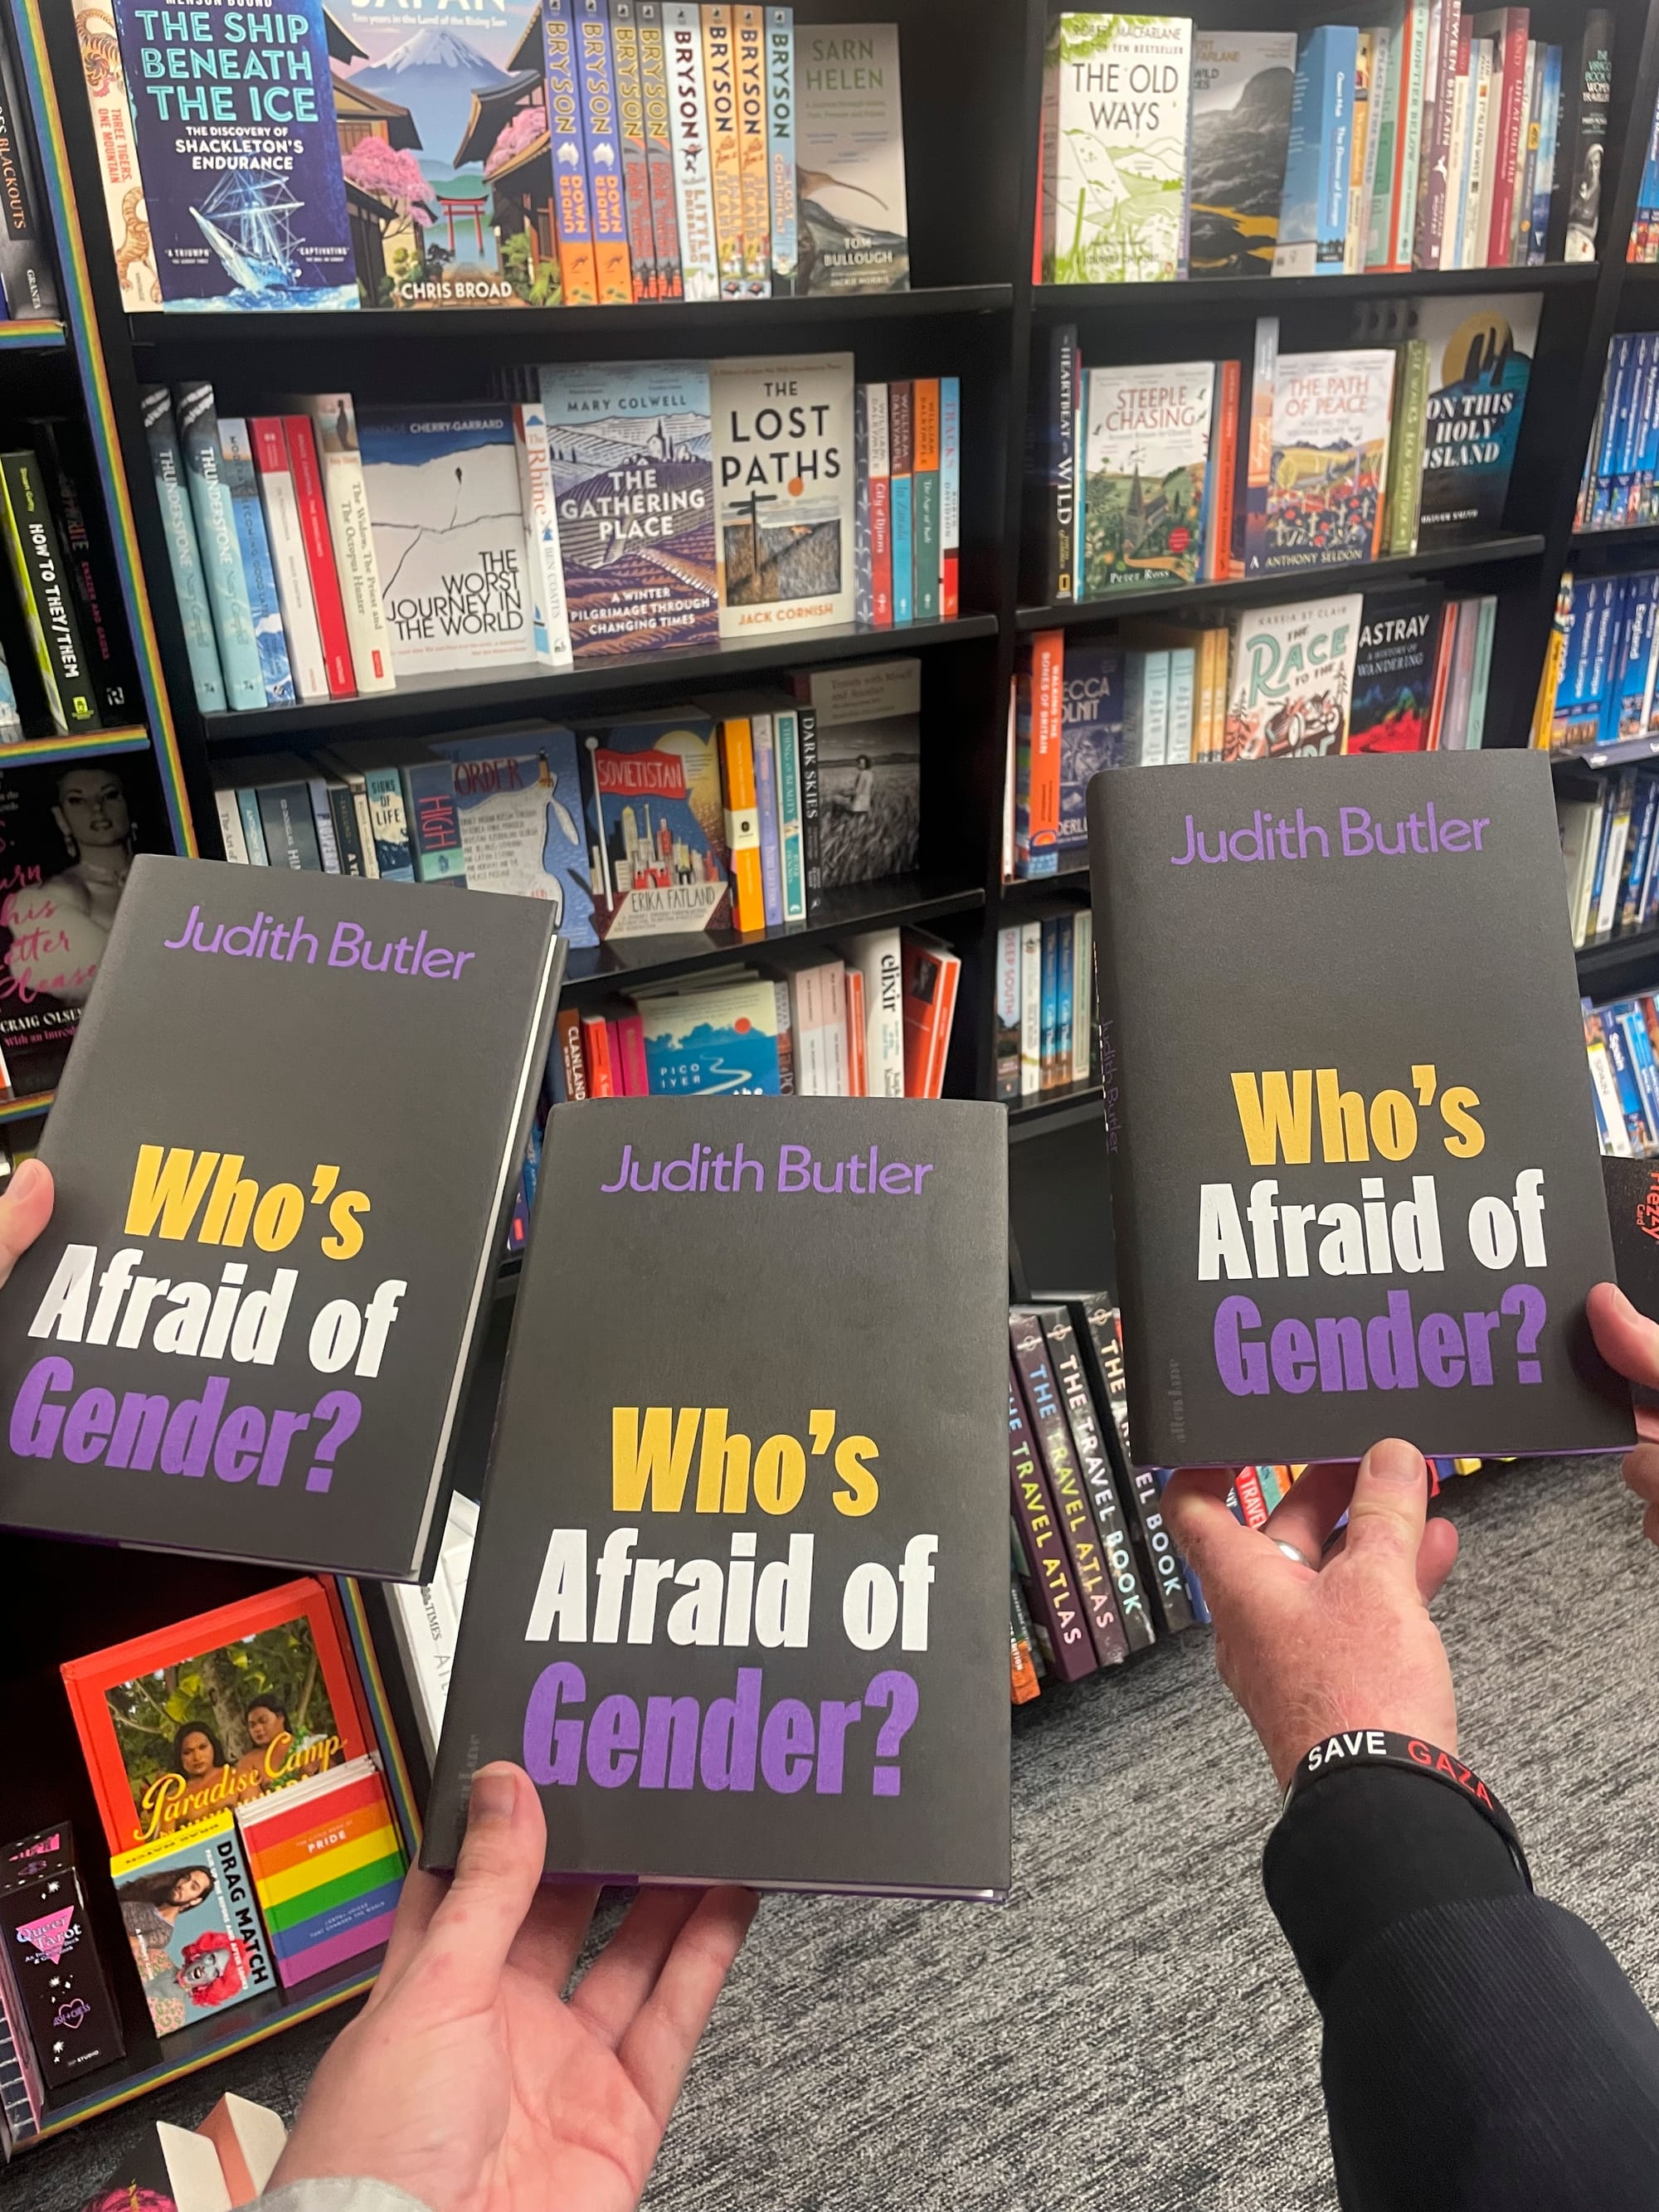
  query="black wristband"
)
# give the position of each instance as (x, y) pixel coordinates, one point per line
(1383, 1748)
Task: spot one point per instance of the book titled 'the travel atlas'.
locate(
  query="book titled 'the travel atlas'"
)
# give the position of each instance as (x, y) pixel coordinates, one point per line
(740, 1598)
(1369, 1204)
(285, 1146)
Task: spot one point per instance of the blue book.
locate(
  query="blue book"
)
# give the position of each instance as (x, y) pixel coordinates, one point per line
(1065, 987)
(1639, 857)
(1050, 997)
(1605, 638)
(721, 1040)
(236, 463)
(1628, 692)
(1313, 213)
(222, 553)
(1628, 1016)
(785, 747)
(1091, 732)
(1549, 140)
(184, 553)
(519, 799)
(1624, 1076)
(903, 548)
(766, 805)
(950, 494)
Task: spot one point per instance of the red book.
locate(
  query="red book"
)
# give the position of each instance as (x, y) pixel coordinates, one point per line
(1442, 675)
(1247, 1487)
(1509, 26)
(858, 1072)
(319, 554)
(931, 973)
(568, 1030)
(630, 1036)
(1223, 461)
(596, 1052)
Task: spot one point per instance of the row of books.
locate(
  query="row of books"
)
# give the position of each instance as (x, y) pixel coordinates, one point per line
(1621, 467)
(64, 659)
(1622, 1039)
(1643, 242)
(1601, 680)
(1045, 1004)
(1401, 669)
(1610, 843)
(618, 150)
(330, 551)
(1193, 472)
(1435, 138)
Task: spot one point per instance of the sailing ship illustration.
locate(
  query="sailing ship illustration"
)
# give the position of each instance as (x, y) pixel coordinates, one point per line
(247, 220)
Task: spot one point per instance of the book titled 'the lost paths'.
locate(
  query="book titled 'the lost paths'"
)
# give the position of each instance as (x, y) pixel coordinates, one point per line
(1369, 1204)
(739, 1602)
(284, 1146)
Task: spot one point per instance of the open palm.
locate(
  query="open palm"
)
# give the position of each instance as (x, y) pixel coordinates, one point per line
(469, 2080)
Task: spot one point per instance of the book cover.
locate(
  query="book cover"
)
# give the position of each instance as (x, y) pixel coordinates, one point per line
(1396, 662)
(1313, 222)
(1115, 139)
(1584, 146)
(449, 536)
(799, 1617)
(852, 223)
(725, 1039)
(328, 1864)
(784, 490)
(688, 115)
(1241, 126)
(633, 481)
(869, 753)
(50, 1959)
(1446, 1148)
(1091, 733)
(188, 1909)
(655, 828)
(1146, 450)
(518, 808)
(328, 1356)
(1330, 445)
(1293, 678)
(232, 229)
(1479, 366)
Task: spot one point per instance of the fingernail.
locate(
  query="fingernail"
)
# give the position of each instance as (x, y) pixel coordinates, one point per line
(493, 1795)
(1393, 1461)
(26, 1178)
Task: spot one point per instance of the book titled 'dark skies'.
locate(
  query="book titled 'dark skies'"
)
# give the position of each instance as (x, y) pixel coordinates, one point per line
(1355, 1181)
(284, 1148)
(740, 1599)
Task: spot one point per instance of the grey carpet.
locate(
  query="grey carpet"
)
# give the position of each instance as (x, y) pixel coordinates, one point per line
(1129, 2032)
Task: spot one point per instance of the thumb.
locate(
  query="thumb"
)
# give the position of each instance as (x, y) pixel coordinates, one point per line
(1390, 1503)
(25, 1210)
(496, 1876)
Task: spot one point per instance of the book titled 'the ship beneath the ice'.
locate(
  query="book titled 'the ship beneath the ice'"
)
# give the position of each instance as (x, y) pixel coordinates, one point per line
(745, 1619)
(247, 1328)
(1370, 1205)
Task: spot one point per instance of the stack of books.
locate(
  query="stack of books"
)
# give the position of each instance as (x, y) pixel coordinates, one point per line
(1601, 668)
(64, 666)
(1620, 485)
(1610, 842)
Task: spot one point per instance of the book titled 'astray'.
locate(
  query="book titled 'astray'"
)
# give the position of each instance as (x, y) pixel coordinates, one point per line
(284, 1148)
(1355, 1181)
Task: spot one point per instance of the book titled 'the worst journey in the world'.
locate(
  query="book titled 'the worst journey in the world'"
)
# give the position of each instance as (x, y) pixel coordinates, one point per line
(284, 1148)
(740, 1599)
(1369, 1204)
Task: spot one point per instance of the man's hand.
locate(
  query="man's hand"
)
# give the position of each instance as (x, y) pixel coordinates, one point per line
(1630, 1344)
(25, 1210)
(468, 2080)
(1308, 1651)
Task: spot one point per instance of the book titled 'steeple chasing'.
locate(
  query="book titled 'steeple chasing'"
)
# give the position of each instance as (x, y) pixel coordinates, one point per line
(247, 1330)
(1370, 1205)
(745, 1619)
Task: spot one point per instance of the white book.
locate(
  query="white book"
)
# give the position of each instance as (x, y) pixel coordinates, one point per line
(193, 2169)
(1115, 141)
(334, 418)
(288, 559)
(852, 223)
(1612, 873)
(1083, 985)
(1585, 883)
(1484, 96)
(688, 115)
(1030, 1009)
(1457, 162)
(784, 485)
(427, 1621)
(549, 616)
(1383, 38)
(249, 2139)
(833, 973)
(806, 1021)
(230, 825)
(876, 956)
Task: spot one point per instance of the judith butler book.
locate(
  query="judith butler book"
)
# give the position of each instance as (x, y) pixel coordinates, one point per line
(747, 1621)
(253, 1280)
(1371, 1205)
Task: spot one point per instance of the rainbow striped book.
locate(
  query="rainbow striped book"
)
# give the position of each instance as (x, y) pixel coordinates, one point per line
(327, 1863)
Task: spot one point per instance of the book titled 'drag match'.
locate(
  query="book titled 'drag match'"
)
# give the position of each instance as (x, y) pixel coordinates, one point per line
(1370, 1205)
(739, 1599)
(285, 1147)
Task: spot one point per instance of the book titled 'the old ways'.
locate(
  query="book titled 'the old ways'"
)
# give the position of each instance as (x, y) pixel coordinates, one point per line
(1369, 1203)
(284, 1146)
(740, 1599)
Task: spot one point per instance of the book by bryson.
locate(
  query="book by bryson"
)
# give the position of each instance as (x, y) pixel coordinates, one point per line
(252, 1280)
(747, 1620)
(1371, 1205)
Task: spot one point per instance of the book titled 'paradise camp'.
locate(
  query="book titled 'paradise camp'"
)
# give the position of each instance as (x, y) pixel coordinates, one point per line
(284, 1147)
(745, 1619)
(1371, 1205)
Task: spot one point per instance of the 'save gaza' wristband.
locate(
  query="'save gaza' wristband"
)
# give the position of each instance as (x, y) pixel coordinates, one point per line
(1336, 1754)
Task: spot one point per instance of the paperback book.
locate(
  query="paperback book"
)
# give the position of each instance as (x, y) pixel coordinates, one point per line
(1241, 125)
(852, 221)
(1480, 365)
(1293, 678)
(869, 752)
(1146, 459)
(784, 492)
(1330, 447)
(1397, 670)
(1115, 140)
(655, 826)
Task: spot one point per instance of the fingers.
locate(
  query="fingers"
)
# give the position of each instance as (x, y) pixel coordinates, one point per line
(1627, 1342)
(24, 1211)
(422, 1894)
(555, 1928)
(1221, 1549)
(1317, 1501)
(472, 1929)
(1390, 1501)
(1437, 1555)
(657, 2048)
(621, 1978)
(1641, 1472)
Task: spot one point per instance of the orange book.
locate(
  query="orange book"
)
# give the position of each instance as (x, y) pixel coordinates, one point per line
(858, 1078)
(249, 2139)
(1022, 1685)
(720, 66)
(607, 204)
(749, 30)
(742, 822)
(1224, 464)
(931, 973)
(571, 212)
(1044, 681)
(1443, 674)
(596, 1054)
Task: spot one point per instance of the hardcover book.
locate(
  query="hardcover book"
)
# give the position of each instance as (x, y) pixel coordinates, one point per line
(1293, 678)
(1241, 111)
(831, 1710)
(784, 491)
(1091, 733)
(1114, 136)
(316, 1360)
(1373, 1204)
(655, 832)
(188, 1909)
(1396, 667)
(1480, 365)
(328, 1863)
(853, 225)
(1145, 448)
(633, 481)
(1330, 449)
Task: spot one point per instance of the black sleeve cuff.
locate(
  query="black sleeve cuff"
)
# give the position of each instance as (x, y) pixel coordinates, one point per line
(1366, 1845)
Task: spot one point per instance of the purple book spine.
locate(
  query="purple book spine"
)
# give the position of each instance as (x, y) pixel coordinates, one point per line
(1053, 1441)
(1096, 1466)
(1056, 1608)
(1158, 1554)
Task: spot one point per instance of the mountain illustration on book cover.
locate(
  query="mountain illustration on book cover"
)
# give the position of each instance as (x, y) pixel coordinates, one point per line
(630, 447)
(1371, 1205)
(449, 535)
(657, 856)
(1397, 661)
(1330, 450)
(1115, 140)
(1242, 86)
(188, 1908)
(784, 487)
(747, 1621)
(445, 150)
(233, 114)
(1293, 678)
(1479, 366)
(1147, 449)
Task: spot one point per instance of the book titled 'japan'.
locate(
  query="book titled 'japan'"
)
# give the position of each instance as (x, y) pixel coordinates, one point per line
(1371, 1205)
(745, 1619)
(285, 1148)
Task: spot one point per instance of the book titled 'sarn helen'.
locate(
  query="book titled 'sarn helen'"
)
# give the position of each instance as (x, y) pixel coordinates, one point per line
(1355, 1181)
(740, 1599)
(284, 1146)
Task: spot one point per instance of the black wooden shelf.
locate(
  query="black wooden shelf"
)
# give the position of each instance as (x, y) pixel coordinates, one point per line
(1019, 889)
(1627, 534)
(1209, 295)
(1053, 1110)
(1621, 754)
(1598, 964)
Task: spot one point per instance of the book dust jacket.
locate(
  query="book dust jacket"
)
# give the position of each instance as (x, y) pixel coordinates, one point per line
(742, 1612)
(1371, 1204)
(247, 1328)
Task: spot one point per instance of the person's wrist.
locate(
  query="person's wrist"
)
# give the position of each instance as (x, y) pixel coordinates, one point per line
(1351, 1749)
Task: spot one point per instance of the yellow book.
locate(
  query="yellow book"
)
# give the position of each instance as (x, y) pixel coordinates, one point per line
(749, 29)
(742, 822)
(725, 155)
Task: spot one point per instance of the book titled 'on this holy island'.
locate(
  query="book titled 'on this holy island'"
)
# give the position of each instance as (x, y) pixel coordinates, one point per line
(284, 1146)
(740, 1599)
(1355, 1181)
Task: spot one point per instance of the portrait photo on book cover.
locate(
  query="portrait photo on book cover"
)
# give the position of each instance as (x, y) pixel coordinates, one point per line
(189, 1960)
(869, 776)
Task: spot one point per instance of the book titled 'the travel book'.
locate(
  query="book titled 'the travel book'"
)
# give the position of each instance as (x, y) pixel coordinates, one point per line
(1371, 1205)
(247, 1329)
(747, 1620)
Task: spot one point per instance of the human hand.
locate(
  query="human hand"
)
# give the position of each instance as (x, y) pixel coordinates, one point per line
(1347, 1643)
(468, 2080)
(25, 1210)
(1630, 1344)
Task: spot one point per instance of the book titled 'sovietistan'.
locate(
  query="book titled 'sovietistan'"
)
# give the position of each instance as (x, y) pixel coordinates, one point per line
(1371, 1205)
(746, 1619)
(247, 1329)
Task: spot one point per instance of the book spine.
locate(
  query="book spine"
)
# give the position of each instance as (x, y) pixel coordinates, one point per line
(215, 530)
(551, 614)
(812, 823)
(781, 137)
(1222, 473)
(630, 140)
(687, 117)
(1049, 1000)
(660, 149)
(312, 512)
(786, 746)
(1527, 175)
(1057, 1608)
(950, 497)
(253, 830)
(435, 826)
(878, 473)
(1457, 156)
(567, 1044)
(365, 838)
(1022, 1684)
(901, 403)
(1336, 152)
(924, 498)
(1066, 493)
(1133, 1611)
(37, 569)
(720, 64)
(1046, 1417)
(1510, 119)
(230, 826)
(597, 1058)
(91, 584)
(118, 163)
(1064, 988)
(287, 555)
(26, 270)
(1405, 447)
(322, 817)
(334, 417)
(1588, 140)
(749, 44)
(1083, 973)
(1354, 247)
(1427, 123)
(602, 149)
(1260, 462)
(1007, 1013)
(394, 849)
(743, 837)
(290, 830)
(1408, 143)
(1390, 62)
(240, 481)
(1549, 130)
(766, 800)
(1047, 678)
(1161, 1561)
(1432, 230)
(863, 599)
(573, 216)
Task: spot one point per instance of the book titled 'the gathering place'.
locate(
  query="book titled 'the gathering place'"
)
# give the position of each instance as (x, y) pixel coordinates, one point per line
(284, 1148)
(1371, 1203)
(740, 1598)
